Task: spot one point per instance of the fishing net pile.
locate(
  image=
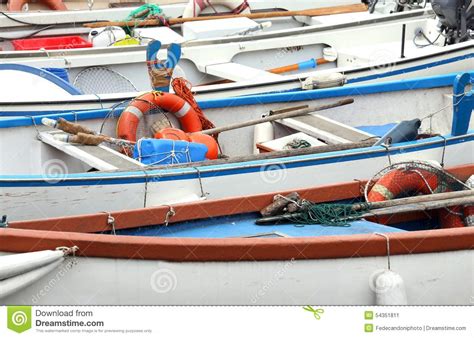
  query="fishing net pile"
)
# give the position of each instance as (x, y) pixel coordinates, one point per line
(401, 180)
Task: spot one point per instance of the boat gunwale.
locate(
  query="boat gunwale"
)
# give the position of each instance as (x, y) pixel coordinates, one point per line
(239, 249)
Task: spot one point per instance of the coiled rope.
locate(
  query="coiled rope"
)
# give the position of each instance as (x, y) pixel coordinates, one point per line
(182, 88)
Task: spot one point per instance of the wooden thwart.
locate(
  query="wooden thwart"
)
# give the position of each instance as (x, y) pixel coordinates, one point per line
(326, 129)
(99, 157)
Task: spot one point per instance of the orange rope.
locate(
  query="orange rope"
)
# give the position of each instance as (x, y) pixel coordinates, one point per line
(182, 88)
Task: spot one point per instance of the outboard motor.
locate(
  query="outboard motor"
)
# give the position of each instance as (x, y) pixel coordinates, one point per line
(456, 18)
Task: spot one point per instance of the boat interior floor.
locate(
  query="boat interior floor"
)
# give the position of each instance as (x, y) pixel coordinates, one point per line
(244, 226)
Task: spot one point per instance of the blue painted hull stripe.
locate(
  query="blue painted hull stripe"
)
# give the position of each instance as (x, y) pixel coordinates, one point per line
(374, 88)
(226, 170)
(315, 94)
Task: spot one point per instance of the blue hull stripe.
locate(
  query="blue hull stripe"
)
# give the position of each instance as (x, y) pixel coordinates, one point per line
(230, 169)
(289, 96)
(351, 90)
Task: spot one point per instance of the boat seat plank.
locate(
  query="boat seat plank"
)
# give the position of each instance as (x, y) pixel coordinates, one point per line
(100, 157)
(237, 72)
(326, 129)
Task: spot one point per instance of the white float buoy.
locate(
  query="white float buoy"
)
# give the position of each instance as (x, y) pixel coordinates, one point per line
(106, 36)
(389, 289)
(388, 286)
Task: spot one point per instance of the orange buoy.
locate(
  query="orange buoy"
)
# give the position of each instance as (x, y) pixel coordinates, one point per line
(209, 141)
(419, 181)
(127, 124)
(172, 134)
(55, 5)
(179, 135)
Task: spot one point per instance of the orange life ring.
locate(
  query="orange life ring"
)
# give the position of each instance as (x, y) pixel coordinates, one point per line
(17, 5)
(127, 124)
(397, 181)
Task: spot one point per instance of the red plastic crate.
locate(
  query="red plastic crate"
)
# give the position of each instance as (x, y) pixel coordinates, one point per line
(59, 42)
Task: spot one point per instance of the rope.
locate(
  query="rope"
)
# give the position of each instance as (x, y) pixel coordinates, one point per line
(169, 214)
(67, 250)
(110, 221)
(298, 144)
(182, 88)
(328, 214)
(144, 12)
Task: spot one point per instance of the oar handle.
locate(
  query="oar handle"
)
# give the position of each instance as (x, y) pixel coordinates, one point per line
(281, 116)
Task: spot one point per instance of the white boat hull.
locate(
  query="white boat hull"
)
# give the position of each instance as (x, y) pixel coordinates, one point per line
(60, 180)
(345, 281)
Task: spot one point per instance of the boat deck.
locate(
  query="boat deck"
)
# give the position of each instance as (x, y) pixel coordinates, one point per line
(244, 226)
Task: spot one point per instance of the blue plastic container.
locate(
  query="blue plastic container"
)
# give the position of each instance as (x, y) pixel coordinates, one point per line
(162, 151)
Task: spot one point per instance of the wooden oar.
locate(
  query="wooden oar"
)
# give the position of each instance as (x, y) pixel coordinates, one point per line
(276, 117)
(174, 21)
(281, 70)
(77, 133)
(312, 63)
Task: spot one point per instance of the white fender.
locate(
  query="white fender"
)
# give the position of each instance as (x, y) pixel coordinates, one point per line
(13, 265)
(11, 285)
(389, 288)
(195, 7)
(324, 81)
(263, 132)
(106, 36)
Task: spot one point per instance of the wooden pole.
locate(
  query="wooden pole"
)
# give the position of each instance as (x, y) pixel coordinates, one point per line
(415, 199)
(174, 21)
(405, 205)
(276, 117)
(421, 206)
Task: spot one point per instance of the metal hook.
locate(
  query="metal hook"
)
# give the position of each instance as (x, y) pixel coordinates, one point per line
(388, 247)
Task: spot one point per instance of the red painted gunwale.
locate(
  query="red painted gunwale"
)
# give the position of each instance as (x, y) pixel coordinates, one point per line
(27, 236)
